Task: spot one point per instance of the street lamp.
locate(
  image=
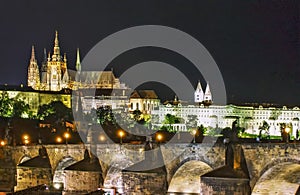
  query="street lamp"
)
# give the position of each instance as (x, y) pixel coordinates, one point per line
(159, 137)
(26, 139)
(67, 136)
(287, 134)
(58, 140)
(194, 135)
(2, 143)
(102, 138)
(121, 134)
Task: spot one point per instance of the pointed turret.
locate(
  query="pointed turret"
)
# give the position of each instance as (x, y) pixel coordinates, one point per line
(207, 94)
(56, 49)
(199, 94)
(32, 54)
(33, 79)
(44, 63)
(78, 64)
(44, 70)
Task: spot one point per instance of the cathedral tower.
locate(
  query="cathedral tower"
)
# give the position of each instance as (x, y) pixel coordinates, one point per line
(44, 81)
(56, 68)
(33, 79)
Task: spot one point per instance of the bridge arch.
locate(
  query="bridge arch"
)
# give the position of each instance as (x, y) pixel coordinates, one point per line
(59, 176)
(24, 158)
(114, 177)
(281, 176)
(186, 178)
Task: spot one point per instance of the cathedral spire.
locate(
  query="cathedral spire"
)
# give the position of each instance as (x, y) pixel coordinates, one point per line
(78, 64)
(56, 49)
(33, 79)
(56, 43)
(32, 54)
(45, 55)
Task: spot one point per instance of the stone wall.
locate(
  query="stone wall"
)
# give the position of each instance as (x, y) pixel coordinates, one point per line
(30, 177)
(77, 181)
(259, 156)
(137, 183)
(262, 156)
(224, 186)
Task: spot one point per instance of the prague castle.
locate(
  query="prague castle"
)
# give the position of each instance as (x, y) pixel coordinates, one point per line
(53, 81)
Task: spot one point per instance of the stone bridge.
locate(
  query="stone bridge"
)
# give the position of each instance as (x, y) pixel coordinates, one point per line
(267, 164)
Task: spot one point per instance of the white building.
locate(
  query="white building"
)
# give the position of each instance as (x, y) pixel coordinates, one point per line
(215, 116)
(144, 101)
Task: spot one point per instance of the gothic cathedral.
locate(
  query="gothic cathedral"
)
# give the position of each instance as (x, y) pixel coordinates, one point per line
(54, 72)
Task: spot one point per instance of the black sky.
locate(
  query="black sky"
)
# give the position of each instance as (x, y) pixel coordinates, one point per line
(255, 43)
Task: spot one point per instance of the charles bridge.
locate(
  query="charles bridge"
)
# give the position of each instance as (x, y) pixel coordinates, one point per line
(264, 166)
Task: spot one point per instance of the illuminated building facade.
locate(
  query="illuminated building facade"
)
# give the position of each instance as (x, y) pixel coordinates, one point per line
(37, 98)
(54, 74)
(216, 116)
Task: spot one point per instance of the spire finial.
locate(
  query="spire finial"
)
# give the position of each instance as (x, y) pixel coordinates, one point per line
(78, 64)
(56, 50)
(65, 57)
(32, 53)
(45, 54)
(56, 39)
(49, 58)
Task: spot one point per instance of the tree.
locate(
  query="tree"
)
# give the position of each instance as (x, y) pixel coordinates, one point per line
(20, 108)
(56, 110)
(264, 130)
(191, 121)
(170, 120)
(105, 115)
(6, 105)
(12, 107)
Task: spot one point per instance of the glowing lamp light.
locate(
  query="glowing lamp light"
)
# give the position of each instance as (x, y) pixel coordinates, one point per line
(102, 138)
(26, 137)
(57, 185)
(67, 135)
(26, 141)
(287, 129)
(2, 143)
(159, 137)
(58, 140)
(121, 133)
(194, 132)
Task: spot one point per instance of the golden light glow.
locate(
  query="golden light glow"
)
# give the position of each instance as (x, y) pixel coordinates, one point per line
(26, 141)
(159, 137)
(102, 138)
(58, 139)
(67, 135)
(287, 129)
(194, 132)
(2, 143)
(121, 133)
(26, 137)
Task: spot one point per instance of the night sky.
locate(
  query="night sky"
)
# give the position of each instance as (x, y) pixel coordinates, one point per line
(254, 43)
